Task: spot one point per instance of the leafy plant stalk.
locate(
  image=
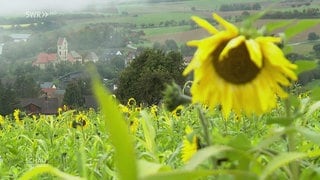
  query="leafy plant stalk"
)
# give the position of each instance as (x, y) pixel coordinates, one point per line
(294, 166)
(205, 126)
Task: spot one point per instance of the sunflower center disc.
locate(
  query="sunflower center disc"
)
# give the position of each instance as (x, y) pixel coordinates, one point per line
(236, 68)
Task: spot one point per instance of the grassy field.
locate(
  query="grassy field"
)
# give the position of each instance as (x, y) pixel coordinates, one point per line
(168, 30)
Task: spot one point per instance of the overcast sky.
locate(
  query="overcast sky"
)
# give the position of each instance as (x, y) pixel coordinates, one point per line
(21, 6)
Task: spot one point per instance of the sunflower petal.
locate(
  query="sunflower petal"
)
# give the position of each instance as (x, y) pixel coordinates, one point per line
(273, 54)
(269, 39)
(205, 24)
(229, 27)
(193, 43)
(231, 44)
(254, 52)
(227, 101)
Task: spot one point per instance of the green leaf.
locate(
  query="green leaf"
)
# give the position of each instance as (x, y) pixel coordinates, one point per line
(315, 93)
(294, 101)
(305, 65)
(147, 168)
(274, 136)
(46, 168)
(299, 27)
(284, 121)
(310, 173)
(204, 154)
(125, 158)
(313, 108)
(240, 142)
(196, 174)
(148, 132)
(179, 175)
(272, 26)
(279, 161)
(309, 135)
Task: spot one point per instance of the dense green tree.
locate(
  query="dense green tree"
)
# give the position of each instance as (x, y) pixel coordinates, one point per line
(313, 36)
(8, 100)
(145, 78)
(256, 6)
(74, 96)
(157, 45)
(187, 50)
(171, 45)
(316, 49)
(26, 87)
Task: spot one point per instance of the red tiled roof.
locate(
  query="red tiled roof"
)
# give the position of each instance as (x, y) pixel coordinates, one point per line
(49, 90)
(44, 58)
(70, 58)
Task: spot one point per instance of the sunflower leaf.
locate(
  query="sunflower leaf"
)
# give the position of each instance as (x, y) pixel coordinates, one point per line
(310, 173)
(46, 168)
(147, 168)
(315, 93)
(299, 27)
(272, 26)
(284, 121)
(196, 174)
(125, 158)
(275, 136)
(313, 108)
(279, 161)
(148, 132)
(178, 175)
(309, 135)
(204, 154)
(240, 142)
(305, 65)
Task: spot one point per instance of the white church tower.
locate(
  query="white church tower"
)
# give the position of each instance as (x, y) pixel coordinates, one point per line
(62, 49)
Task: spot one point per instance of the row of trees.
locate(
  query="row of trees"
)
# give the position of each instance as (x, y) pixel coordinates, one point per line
(171, 45)
(291, 14)
(240, 7)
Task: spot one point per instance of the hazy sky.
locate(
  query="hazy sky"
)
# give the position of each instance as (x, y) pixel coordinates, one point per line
(21, 6)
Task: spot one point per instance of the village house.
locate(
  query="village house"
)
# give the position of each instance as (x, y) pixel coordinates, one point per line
(76, 56)
(45, 105)
(48, 89)
(62, 55)
(110, 54)
(91, 57)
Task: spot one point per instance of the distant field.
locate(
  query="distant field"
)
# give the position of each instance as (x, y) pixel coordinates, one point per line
(153, 14)
(167, 30)
(182, 37)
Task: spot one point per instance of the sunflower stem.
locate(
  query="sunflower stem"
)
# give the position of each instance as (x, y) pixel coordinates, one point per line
(294, 166)
(205, 126)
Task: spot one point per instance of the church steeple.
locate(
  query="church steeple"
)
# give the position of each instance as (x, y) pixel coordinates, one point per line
(62, 49)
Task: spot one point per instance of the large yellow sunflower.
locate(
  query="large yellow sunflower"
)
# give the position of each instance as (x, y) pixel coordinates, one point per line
(237, 71)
